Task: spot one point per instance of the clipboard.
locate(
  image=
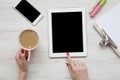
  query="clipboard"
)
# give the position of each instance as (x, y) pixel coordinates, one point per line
(98, 29)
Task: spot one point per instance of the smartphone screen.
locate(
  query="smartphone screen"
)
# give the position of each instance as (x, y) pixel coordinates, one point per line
(28, 10)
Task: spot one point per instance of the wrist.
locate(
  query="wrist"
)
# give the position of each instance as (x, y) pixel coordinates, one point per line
(22, 75)
(81, 79)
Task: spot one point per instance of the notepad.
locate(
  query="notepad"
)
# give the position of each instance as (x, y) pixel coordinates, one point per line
(110, 22)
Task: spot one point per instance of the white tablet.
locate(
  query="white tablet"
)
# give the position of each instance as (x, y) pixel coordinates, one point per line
(67, 32)
(28, 11)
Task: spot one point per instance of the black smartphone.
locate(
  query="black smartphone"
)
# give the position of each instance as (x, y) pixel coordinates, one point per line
(27, 10)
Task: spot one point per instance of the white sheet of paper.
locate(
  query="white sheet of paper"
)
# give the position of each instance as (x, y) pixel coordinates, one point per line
(110, 22)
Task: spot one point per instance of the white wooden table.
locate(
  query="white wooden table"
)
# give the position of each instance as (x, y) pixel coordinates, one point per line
(103, 63)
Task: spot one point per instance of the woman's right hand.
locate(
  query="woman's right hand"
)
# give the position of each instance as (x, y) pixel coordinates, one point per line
(77, 69)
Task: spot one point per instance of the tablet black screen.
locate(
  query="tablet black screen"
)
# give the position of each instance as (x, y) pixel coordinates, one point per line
(67, 34)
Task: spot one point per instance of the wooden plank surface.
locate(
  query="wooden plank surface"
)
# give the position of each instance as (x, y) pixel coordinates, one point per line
(103, 63)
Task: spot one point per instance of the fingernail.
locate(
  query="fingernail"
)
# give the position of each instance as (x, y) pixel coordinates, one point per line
(67, 64)
(67, 53)
(22, 51)
(26, 56)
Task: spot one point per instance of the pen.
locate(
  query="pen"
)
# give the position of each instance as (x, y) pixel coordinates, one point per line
(97, 8)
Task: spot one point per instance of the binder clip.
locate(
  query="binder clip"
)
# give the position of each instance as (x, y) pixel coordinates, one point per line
(107, 41)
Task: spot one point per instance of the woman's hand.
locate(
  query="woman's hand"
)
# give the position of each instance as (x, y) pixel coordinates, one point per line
(77, 69)
(22, 64)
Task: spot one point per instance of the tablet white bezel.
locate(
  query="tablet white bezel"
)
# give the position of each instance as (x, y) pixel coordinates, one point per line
(36, 20)
(73, 54)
